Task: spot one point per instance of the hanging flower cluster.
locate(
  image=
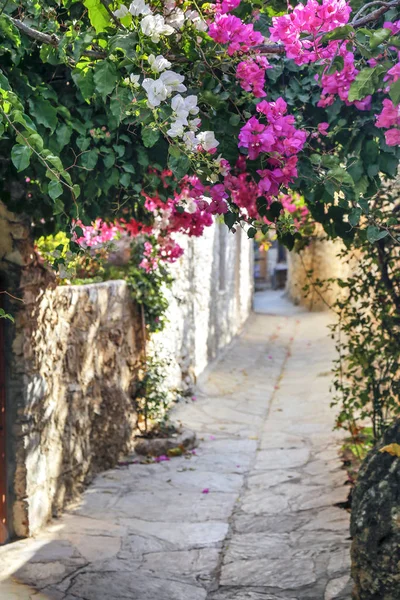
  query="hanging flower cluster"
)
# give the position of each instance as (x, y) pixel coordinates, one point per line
(389, 119)
(274, 135)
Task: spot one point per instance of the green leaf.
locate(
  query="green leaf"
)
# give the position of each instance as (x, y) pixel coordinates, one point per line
(105, 77)
(109, 159)
(341, 176)
(378, 37)
(230, 219)
(98, 15)
(4, 315)
(354, 216)
(127, 43)
(179, 165)
(54, 189)
(394, 92)
(43, 112)
(83, 79)
(120, 102)
(150, 136)
(63, 135)
(234, 120)
(364, 206)
(20, 156)
(337, 65)
(340, 33)
(366, 83)
(251, 232)
(388, 164)
(89, 159)
(77, 190)
(125, 180)
(374, 234)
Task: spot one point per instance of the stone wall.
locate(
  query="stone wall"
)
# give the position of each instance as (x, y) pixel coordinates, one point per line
(72, 356)
(375, 522)
(78, 346)
(210, 300)
(317, 262)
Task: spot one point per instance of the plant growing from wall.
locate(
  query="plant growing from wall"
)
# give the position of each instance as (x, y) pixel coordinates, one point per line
(367, 372)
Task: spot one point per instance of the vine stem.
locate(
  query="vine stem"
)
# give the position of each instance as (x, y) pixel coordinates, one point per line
(36, 152)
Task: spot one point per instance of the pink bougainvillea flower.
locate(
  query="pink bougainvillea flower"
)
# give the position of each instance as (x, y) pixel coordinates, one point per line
(206, 491)
(161, 458)
(212, 437)
(392, 137)
(322, 128)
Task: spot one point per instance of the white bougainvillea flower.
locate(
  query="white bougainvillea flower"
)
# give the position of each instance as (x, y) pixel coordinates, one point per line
(177, 129)
(139, 7)
(158, 63)
(182, 107)
(121, 12)
(190, 140)
(134, 79)
(207, 140)
(154, 27)
(173, 81)
(195, 18)
(157, 92)
(194, 124)
(176, 19)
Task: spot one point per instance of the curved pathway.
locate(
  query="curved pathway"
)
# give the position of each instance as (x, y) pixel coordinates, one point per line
(250, 516)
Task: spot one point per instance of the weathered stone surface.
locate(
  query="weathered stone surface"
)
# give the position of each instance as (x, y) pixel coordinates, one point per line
(81, 344)
(133, 586)
(283, 573)
(375, 524)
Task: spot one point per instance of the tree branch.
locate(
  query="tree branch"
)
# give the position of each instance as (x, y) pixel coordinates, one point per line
(110, 12)
(45, 38)
(374, 16)
(52, 39)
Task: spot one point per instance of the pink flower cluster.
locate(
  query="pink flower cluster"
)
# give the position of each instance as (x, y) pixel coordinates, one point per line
(273, 133)
(226, 6)
(251, 75)
(228, 29)
(97, 234)
(389, 119)
(293, 205)
(313, 19)
(394, 27)
(339, 82)
(244, 192)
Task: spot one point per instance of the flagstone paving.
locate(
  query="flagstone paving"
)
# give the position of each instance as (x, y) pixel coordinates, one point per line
(250, 516)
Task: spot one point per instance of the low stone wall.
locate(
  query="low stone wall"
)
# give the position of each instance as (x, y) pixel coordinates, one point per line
(210, 300)
(79, 346)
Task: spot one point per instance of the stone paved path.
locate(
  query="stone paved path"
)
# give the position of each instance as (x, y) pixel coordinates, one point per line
(266, 530)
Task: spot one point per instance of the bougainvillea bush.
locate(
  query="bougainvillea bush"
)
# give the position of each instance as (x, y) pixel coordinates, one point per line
(239, 101)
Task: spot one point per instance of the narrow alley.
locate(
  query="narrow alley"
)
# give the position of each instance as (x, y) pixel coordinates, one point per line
(250, 515)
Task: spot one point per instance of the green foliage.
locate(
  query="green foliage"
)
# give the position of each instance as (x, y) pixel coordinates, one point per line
(148, 289)
(153, 398)
(4, 315)
(367, 372)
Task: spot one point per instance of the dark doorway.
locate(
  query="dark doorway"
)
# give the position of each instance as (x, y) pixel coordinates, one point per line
(3, 470)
